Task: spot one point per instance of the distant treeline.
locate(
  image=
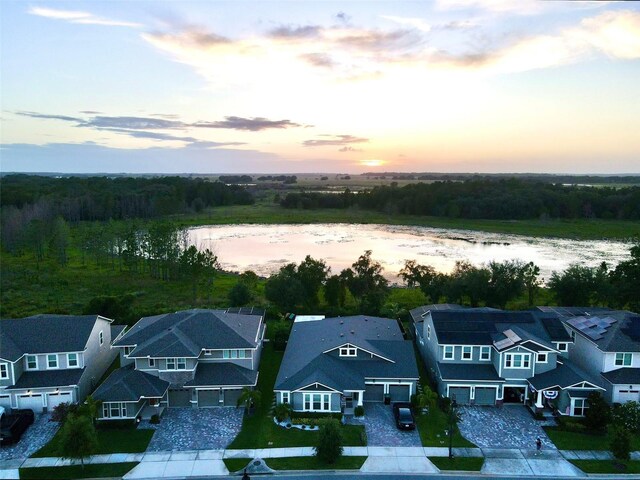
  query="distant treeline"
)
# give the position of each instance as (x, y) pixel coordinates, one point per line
(542, 177)
(506, 199)
(105, 198)
(235, 178)
(278, 178)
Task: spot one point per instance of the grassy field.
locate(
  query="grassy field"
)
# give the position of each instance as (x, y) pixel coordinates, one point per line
(469, 464)
(109, 441)
(298, 463)
(583, 441)
(607, 466)
(269, 213)
(108, 470)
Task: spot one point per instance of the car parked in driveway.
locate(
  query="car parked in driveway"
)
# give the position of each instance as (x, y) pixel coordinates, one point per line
(13, 425)
(404, 416)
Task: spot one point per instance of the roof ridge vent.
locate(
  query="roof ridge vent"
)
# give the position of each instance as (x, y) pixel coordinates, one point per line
(353, 332)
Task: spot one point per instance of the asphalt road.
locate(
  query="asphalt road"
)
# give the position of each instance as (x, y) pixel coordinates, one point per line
(386, 476)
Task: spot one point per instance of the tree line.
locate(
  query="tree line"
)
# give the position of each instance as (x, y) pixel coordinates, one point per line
(504, 199)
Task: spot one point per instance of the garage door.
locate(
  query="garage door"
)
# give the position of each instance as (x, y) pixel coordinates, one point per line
(55, 399)
(485, 396)
(180, 397)
(5, 401)
(461, 394)
(208, 398)
(374, 393)
(399, 393)
(231, 397)
(628, 396)
(32, 402)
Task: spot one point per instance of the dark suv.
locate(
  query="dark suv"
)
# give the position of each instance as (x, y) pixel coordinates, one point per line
(404, 416)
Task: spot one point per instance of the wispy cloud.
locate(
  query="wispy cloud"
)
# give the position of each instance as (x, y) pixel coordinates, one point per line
(85, 18)
(334, 140)
(255, 124)
(414, 22)
(348, 148)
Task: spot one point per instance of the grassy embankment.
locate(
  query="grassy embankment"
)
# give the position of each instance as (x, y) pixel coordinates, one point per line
(126, 440)
(298, 463)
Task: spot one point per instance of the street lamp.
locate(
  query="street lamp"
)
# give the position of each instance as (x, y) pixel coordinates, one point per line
(452, 417)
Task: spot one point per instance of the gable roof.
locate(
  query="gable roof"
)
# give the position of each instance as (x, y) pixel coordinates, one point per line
(222, 373)
(566, 374)
(45, 334)
(187, 333)
(305, 362)
(48, 378)
(623, 376)
(129, 385)
(611, 331)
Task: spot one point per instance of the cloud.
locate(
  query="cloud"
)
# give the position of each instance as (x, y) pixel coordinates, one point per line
(343, 17)
(251, 124)
(318, 59)
(84, 18)
(44, 116)
(414, 22)
(288, 32)
(193, 142)
(348, 148)
(136, 123)
(339, 140)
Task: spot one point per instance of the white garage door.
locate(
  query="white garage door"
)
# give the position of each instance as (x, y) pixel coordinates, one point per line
(32, 402)
(628, 396)
(5, 401)
(55, 399)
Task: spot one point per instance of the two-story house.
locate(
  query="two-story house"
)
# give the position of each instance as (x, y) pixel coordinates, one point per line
(606, 343)
(46, 360)
(336, 364)
(485, 356)
(193, 358)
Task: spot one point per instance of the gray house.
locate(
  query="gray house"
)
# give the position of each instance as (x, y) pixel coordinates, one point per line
(193, 358)
(46, 360)
(336, 364)
(606, 343)
(485, 356)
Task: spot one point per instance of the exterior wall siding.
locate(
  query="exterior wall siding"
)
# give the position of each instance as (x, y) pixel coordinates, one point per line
(517, 373)
(587, 355)
(97, 358)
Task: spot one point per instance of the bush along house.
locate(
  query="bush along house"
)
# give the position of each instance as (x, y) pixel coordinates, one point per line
(193, 358)
(484, 356)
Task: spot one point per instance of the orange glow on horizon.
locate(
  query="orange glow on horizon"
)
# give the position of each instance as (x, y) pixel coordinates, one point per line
(372, 163)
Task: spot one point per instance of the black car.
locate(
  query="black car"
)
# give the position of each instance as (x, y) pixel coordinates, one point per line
(13, 425)
(404, 416)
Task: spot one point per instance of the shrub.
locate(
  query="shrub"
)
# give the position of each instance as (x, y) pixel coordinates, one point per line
(155, 419)
(62, 411)
(282, 411)
(358, 411)
(444, 403)
(239, 295)
(627, 415)
(329, 448)
(621, 443)
(571, 425)
(280, 335)
(598, 415)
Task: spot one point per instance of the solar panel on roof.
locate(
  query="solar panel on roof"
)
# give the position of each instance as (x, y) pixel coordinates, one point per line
(503, 343)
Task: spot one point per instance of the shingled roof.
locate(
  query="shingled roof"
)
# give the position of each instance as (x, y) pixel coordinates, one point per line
(186, 333)
(622, 334)
(48, 378)
(130, 385)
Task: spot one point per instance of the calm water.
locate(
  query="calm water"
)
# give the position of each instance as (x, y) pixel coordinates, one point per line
(265, 248)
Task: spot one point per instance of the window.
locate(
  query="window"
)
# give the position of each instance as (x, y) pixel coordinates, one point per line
(541, 358)
(563, 347)
(485, 353)
(517, 360)
(348, 351)
(152, 362)
(580, 406)
(317, 402)
(448, 352)
(32, 362)
(285, 397)
(624, 359)
(101, 337)
(52, 361)
(114, 410)
(127, 351)
(4, 370)
(72, 359)
(182, 363)
(428, 332)
(226, 353)
(208, 352)
(467, 353)
(233, 354)
(171, 363)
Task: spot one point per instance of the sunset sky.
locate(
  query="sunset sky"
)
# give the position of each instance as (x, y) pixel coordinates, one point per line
(319, 86)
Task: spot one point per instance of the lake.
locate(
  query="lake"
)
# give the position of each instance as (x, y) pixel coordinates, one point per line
(265, 248)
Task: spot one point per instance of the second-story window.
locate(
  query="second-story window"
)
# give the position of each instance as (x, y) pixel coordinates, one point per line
(467, 353)
(447, 352)
(152, 363)
(72, 359)
(428, 332)
(181, 363)
(32, 362)
(171, 363)
(101, 337)
(624, 359)
(52, 361)
(485, 353)
(563, 347)
(4, 371)
(127, 351)
(541, 358)
(517, 360)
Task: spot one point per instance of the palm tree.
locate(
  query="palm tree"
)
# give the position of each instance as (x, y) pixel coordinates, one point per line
(250, 399)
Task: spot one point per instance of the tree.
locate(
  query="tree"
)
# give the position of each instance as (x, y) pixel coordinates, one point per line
(468, 281)
(574, 286)
(625, 279)
(329, 448)
(59, 242)
(284, 289)
(530, 274)
(250, 399)
(426, 399)
(280, 335)
(505, 282)
(334, 291)
(312, 273)
(366, 283)
(115, 308)
(621, 443)
(627, 415)
(78, 438)
(239, 295)
(250, 279)
(598, 415)
(198, 265)
(282, 411)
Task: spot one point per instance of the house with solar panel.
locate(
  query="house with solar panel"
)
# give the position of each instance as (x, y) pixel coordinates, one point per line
(192, 358)
(485, 356)
(606, 343)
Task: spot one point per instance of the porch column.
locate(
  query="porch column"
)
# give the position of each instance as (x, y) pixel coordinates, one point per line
(539, 399)
(360, 397)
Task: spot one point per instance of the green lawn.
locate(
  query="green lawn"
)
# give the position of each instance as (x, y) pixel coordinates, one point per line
(432, 428)
(607, 466)
(299, 463)
(583, 441)
(113, 470)
(259, 431)
(470, 464)
(109, 441)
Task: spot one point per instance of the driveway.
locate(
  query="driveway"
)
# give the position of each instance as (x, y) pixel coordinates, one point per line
(33, 439)
(510, 426)
(382, 431)
(195, 428)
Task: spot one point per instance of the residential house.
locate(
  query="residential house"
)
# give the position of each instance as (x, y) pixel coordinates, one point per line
(485, 356)
(193, 358)
(46, 360)
(606, 343)
(336, 364)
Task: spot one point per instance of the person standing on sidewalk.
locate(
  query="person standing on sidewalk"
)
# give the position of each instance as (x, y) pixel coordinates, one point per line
(538, 445)
(245, 475)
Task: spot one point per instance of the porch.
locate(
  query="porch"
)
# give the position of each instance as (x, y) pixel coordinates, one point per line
(149, 411)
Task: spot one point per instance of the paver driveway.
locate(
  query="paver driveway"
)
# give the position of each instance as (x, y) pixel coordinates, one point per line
(196, 428)
(382, 431)
(510, 426)
(33, 439)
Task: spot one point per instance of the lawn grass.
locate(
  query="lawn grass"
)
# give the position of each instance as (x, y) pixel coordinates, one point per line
(109, 441)
(259, 430)
(469, 464)
(433, 426)
(565, 440)
(299, 463)
(607, 466)
(100, 470)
